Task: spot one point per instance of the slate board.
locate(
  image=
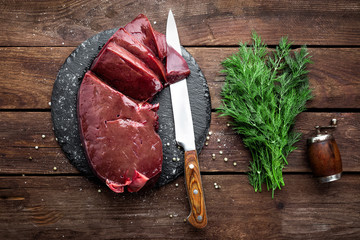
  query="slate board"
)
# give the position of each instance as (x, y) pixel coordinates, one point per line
(64, 109)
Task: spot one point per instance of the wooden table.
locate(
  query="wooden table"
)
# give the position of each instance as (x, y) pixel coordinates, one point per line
(42, 196)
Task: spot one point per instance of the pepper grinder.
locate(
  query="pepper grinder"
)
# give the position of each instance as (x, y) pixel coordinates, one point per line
(324, 155)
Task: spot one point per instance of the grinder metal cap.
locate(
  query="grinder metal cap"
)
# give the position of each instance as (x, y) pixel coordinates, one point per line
(320, 136)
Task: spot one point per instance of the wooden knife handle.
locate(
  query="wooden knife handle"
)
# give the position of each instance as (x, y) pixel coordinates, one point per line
(197, 216)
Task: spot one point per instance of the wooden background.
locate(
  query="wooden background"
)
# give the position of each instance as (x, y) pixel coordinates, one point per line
(37, 202)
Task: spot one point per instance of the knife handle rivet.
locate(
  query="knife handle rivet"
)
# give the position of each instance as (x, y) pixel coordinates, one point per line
(191, 166)
(195, 191)
(199, 218)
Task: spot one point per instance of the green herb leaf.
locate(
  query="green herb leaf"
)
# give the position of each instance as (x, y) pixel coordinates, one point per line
(263, 92)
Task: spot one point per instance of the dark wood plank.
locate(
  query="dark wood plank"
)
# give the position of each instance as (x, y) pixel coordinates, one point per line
(28, 160)
(73, 208)
(27, 75)
(22, 131)
(68, 23)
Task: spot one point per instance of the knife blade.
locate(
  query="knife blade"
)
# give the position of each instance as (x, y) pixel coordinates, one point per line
(184, 135)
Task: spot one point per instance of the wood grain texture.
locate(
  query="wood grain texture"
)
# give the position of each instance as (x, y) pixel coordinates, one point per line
(68, 23)
(20, 132)
(72, 207)
(27, 75)
(195, 193)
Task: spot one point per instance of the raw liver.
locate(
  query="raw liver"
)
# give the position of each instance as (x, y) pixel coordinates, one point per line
(160, 40)
(119, 136)
(65, 120)
(130, 43)
(142, 30)
(126, 73)
(118, 126)
(176, 66)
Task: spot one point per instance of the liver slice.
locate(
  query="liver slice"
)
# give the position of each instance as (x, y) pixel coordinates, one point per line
(130, 43)
(118, 135)
(176, 67)
(142, 30)
(161, 44)
(126, 73)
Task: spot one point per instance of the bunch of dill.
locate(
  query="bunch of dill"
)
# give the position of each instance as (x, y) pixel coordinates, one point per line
(263, 93)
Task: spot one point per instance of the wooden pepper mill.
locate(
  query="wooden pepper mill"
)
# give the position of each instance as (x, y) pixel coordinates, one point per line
(324, 155)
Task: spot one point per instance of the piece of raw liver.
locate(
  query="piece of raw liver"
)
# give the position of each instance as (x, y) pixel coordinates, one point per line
(130, 43)
(161, 44)
(142, 30)
(126, 73)
(176, 66)
(118, 135)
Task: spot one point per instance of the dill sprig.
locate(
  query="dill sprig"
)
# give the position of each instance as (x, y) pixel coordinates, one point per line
(263, 93)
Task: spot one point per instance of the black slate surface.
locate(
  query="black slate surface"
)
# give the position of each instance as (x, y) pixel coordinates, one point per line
(64, 109)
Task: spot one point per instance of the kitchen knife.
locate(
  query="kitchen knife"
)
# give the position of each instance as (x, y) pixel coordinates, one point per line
(184, 134)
